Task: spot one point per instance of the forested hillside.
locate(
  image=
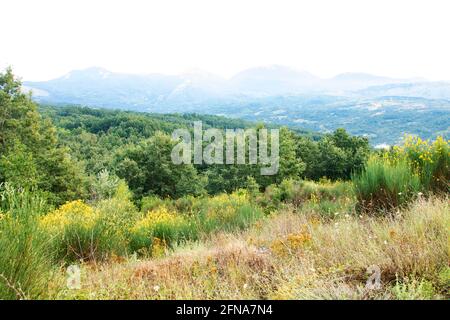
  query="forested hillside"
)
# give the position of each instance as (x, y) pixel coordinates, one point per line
(124, 143)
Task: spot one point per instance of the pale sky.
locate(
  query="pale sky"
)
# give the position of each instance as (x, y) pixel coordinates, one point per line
(399, 38)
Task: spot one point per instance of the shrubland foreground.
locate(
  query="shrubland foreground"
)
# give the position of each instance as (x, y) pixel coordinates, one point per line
(291, 255)
(229, 249)
(97, 191)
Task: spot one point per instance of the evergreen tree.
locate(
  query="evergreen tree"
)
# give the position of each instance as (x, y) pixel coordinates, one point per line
(29, 154)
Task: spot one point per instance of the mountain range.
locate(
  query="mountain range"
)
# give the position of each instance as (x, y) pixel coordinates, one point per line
(98, 83)
(381, 108)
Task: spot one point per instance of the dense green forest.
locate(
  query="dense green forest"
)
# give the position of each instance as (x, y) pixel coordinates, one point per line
(61, 150)
(125, 143)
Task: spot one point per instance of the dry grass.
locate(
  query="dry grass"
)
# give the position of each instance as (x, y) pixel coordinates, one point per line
(293, 255)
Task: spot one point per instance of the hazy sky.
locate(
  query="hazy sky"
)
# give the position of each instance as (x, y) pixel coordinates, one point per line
(47, 38)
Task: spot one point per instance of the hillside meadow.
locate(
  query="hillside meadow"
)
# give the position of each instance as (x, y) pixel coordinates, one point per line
(96, 190)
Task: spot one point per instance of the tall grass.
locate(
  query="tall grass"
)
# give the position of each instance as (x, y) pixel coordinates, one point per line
(395, 178)
(385, 184)
(25, 259)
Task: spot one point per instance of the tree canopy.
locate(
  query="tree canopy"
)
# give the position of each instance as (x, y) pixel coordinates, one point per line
(29, 153)
(60, 151)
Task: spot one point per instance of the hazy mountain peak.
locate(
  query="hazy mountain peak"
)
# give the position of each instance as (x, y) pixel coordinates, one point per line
(199, 73)
(359, 76)
(98, 86)
(273, 80)
(92, 72)
(352, 81)
(275, 70)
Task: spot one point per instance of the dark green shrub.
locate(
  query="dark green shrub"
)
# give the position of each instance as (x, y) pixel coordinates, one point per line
(385, 184)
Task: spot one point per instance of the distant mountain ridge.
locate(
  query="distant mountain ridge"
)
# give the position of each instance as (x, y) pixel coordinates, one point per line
(100, 86)
(427, 90)
(273, 80)
(382, 108)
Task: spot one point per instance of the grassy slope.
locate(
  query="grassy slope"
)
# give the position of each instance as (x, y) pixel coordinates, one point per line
(291, 256)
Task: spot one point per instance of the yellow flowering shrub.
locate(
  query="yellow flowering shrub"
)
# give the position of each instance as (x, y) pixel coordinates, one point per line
(159, 216)
(430, 159)
(233, 200)
(185, 219)
(400, 175)
(236, 198)
(118, 214)
(224, 212)
(72, 212)
(227, 211)
(78, 232)
(159, 228)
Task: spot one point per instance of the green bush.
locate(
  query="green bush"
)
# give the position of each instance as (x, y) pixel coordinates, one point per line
(85, 243)
(245, 216)
(188, 205)
(116, 217)
(413, 289)
(164, 225)
(385, 184)
(227, 212)
(329, 208)
(308, 193)
(154, 202)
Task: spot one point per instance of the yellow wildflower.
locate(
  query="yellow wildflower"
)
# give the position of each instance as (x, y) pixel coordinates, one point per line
(71, 212)
(160, 215)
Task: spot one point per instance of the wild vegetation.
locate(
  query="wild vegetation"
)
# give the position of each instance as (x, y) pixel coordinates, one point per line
(97, 188)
